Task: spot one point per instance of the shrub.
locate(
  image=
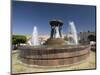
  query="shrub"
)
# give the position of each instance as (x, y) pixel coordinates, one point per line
(66, 38)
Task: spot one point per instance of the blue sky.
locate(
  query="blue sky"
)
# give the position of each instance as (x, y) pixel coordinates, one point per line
(26, 15)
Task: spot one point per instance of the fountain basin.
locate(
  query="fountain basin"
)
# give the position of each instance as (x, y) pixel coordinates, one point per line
(53, 56)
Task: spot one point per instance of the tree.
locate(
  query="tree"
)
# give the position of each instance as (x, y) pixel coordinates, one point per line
(17, 39)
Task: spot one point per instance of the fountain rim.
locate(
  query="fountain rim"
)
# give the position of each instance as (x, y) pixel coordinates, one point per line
(56, 48)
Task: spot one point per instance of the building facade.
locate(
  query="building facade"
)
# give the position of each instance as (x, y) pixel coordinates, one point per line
(86, 37)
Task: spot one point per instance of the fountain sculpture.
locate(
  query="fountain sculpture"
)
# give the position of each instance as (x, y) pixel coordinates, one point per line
(55, 51)
(56, 35)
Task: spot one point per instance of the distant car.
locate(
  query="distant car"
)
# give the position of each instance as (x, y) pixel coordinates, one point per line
(14, 47)
(93, 45)
(22, 44)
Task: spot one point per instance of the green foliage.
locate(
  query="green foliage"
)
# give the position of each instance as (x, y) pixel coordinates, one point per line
(66, 38)
(17, 39)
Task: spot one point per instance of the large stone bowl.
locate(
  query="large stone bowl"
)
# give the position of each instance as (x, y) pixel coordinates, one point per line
(53, 56)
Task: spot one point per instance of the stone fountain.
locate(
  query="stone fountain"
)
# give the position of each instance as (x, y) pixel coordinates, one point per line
(55, 51)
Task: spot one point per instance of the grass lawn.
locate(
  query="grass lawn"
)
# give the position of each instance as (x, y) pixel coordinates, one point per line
(17, 67)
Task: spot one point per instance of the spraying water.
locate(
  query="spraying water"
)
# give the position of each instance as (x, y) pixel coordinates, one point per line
(34, 41)
(73, 34)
